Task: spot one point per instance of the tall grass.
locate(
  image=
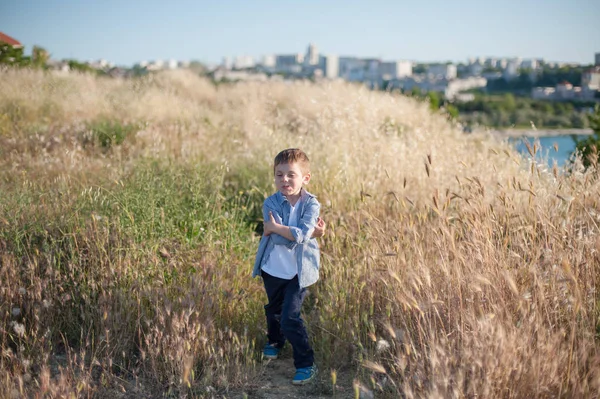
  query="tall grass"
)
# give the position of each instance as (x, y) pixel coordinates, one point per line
(452, 266)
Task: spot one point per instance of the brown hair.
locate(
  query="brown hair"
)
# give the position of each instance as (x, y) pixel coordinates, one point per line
(293, 155)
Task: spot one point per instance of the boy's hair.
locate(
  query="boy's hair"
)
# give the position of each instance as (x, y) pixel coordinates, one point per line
(293, 155)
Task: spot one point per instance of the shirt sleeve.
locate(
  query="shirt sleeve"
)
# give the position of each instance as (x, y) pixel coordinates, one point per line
(276, 238)
(308, 221)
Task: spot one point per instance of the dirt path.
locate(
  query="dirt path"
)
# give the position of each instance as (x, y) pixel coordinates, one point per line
(275, 382)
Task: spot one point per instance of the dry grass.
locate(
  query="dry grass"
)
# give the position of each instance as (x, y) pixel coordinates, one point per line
(452, 266)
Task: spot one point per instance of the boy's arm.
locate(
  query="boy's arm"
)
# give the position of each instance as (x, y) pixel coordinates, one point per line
(284, 239)
(272, 227)
(319, 228)
(305, 229)
(276, 238)
(303, 233)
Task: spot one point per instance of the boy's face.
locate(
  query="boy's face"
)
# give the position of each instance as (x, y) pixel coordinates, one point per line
(289, 178)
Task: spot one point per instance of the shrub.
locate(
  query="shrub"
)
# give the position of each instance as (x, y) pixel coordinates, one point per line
(589, 146)
(108, 132)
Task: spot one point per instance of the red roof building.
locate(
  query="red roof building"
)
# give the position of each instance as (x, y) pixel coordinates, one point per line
(9, 40)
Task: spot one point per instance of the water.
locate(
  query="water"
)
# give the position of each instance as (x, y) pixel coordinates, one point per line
(566, 146)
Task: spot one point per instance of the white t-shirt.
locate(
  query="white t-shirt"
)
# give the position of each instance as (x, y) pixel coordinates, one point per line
(282, 261)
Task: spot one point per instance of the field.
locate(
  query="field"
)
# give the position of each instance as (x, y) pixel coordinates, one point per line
(130, 209)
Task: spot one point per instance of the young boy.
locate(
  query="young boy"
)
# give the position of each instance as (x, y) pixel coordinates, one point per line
(288, 259)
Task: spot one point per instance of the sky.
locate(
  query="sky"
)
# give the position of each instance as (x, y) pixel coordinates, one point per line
(125, 32)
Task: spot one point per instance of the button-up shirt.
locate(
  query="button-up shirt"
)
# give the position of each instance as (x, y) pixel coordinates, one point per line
(307, 248)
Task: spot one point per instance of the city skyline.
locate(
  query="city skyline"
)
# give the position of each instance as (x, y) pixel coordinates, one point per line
(124, 34)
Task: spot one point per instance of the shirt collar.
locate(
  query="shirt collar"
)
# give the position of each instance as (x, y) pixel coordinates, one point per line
(303, 194)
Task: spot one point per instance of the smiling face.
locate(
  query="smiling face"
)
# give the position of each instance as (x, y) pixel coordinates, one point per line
(289, 179)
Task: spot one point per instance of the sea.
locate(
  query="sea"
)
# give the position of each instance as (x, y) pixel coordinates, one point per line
(565, 145)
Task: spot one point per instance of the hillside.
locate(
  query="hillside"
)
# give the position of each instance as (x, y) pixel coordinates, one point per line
(451, 267)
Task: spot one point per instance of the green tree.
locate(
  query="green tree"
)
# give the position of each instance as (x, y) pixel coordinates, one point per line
(39, 56)
(80, 67)
(452, 111)
(508, 102)
(590, 146)
(415, 92)
(434, 100)
(10, 55)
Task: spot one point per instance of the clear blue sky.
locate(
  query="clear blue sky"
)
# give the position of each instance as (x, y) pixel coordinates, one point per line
(126, 32)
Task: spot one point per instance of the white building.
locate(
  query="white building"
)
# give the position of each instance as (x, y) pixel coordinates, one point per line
(312, 55)
(172, 64)
(543, 93)
(395, 69)
(512, 69)
(501, 63)
(530, 64)
(456, 86)
(442, 71)
(226, 63)
(591, 78)
(489, 62)
(269, 61)
(156, 65)
(331, 66)
(243, 62)
(564, 90)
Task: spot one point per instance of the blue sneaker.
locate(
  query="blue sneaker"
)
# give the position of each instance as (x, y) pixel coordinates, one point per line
(305, 375)
(270, 351)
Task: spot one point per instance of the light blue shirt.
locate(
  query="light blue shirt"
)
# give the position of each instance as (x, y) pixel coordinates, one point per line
(307, 248)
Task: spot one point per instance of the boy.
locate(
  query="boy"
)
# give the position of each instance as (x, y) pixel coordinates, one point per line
(288, 259)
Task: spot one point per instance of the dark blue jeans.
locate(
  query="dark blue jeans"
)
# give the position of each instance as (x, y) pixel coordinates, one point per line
(283, 317)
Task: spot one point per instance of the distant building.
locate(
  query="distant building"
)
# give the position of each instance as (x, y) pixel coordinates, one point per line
(331, 66)
(243, 62)
(100, 64)
(591, 78)
(155, 65)
(269, 61)
(4, 38)
(372, 74)
(59, 67)
(224, 74)
(312, 55)
(348, 67)
(172, 64)
(490, 62)
(597, 61)
(530, 64)
(455, 86)
(543, 93)
(289, 63)
(395, 69)
(564, 89)
(442, 71)
(476, 69)
(491, 75)
(512, 69)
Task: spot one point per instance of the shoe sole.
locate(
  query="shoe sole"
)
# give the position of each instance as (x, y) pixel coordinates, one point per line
(306, 381)
(270, 357)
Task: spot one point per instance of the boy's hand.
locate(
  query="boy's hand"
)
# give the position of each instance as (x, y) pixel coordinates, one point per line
(270, 226)
(319, 230)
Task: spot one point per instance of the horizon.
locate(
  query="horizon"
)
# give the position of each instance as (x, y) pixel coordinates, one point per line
(125, 34)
